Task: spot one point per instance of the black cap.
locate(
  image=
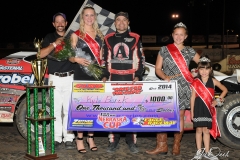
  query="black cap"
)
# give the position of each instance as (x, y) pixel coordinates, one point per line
(125, 14)
(59, 14)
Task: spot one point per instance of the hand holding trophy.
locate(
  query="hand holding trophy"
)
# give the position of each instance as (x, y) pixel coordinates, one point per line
(39, 65)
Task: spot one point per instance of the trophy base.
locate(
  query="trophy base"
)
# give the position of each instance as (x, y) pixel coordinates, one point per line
(41, 157)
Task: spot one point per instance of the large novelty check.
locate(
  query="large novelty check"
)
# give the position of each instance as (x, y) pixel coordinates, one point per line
(143, 106)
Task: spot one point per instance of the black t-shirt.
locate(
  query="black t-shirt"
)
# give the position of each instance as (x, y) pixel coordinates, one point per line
(54, 65)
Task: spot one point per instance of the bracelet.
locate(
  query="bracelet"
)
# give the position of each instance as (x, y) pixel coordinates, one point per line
(54, 44)
(219, 101)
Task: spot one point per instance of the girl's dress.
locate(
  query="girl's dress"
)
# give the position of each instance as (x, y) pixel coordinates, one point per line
(170, 69)
(202, 116)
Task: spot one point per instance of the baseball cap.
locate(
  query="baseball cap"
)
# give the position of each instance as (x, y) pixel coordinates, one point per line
(125, 14)
(59, 14)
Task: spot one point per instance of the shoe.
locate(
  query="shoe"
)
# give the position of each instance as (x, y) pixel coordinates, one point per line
(210, 155)
(176, 143)
(133, 148)
(57, 145)
(81, 150)
(162, 146)
(69, 145)
(198, 155)
(112, 147)
(93, 149)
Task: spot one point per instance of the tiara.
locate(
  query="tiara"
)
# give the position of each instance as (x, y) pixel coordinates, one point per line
(204, 59)
(180, 25)
(88, 6)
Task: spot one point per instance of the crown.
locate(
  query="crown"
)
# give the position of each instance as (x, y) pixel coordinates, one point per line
(180, 25)
(204, 59)
(88, 6)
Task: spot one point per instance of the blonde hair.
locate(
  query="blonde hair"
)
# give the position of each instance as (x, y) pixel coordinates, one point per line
(95, 25)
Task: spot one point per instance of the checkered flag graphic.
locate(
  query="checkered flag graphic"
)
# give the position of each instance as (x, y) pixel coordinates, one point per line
(105, 20)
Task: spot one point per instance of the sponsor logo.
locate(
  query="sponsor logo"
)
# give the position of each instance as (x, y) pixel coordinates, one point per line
(82, 123)
(144, 122)
(16, 79)
(134, 89)
(89, 86)
(128, 39)
(112, 122)
(13, 61)
(17, 68)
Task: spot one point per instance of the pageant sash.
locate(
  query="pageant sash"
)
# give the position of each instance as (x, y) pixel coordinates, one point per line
(180, 61)
(92, 44)
(198, 86)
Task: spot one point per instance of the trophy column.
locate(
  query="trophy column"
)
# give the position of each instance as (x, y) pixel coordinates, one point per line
(39, 115)
(39, 67)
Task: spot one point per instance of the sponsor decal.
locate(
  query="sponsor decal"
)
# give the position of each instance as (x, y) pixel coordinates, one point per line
(6, 108)
(18, 68)
(4, 89)
(6, 98)
(16, 79)
(6, 115)
(13, 61)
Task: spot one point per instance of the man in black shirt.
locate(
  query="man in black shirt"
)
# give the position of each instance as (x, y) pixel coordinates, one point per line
(61, 76)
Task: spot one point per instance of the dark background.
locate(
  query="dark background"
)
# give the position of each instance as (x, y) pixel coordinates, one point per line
(22, 21)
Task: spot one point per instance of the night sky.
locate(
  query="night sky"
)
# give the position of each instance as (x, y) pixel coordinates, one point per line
(24, 20)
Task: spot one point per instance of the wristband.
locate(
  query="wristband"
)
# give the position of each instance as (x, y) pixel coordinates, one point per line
(219, 101)
(54, 44)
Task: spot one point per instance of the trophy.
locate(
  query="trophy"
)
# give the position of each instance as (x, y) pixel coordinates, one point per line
(39, 65)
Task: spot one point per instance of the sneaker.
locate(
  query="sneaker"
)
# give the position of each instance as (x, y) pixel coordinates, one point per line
(210, 155)
(69, 145)
(133, 148)
(198, 155)
(112, 147)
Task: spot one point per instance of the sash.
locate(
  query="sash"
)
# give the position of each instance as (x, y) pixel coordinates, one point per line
(92, 44)
(197, 85)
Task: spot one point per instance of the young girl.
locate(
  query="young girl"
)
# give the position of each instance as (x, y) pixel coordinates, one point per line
(201, 106)
(173, 64)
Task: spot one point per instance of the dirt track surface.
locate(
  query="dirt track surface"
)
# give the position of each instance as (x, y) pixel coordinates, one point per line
(13, 147)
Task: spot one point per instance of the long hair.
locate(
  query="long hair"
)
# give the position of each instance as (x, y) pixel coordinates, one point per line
(95, 24)
(205, 64)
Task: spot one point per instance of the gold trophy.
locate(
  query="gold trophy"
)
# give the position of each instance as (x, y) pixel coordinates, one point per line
(39, 65)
